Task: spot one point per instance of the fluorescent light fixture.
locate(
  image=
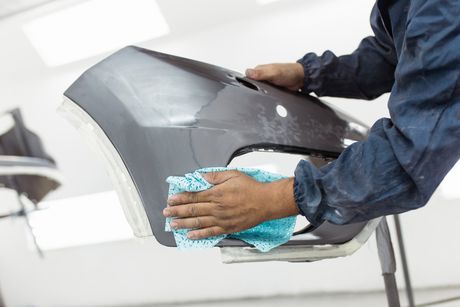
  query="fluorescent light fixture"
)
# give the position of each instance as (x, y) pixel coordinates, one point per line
(263, 2)
(450, 185)
(94, 27)
(83, 220)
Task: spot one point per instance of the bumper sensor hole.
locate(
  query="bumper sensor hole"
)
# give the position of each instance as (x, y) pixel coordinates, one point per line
(247, 84)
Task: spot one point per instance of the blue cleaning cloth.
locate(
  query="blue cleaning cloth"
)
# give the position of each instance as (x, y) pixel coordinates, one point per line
(264, 236)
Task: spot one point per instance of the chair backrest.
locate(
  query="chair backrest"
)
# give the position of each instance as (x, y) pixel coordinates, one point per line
(19, 142)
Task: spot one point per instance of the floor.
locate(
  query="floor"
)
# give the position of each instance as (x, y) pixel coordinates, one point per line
(423, 298)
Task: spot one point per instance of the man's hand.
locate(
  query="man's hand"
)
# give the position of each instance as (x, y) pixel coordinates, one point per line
(288, 75)
(236, 202)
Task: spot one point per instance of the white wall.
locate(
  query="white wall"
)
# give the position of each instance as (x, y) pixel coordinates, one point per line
(132, 272)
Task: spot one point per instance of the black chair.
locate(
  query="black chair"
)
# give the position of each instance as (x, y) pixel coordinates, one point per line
(25, 167)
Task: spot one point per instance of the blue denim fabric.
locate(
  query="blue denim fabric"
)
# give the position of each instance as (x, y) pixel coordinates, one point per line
(415, 54)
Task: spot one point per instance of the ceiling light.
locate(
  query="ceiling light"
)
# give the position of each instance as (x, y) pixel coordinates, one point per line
(94, 27)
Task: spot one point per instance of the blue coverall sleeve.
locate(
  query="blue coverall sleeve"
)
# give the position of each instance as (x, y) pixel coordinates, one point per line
(406, 157)
(365, 74)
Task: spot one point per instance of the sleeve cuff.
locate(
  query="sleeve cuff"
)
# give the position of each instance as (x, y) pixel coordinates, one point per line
(318, 70)
(308, 194)
(311, 67)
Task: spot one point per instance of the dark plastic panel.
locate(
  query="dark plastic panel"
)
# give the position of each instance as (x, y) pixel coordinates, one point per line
(167, 115)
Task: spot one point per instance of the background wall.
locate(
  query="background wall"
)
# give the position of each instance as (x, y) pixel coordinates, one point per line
(233, 34)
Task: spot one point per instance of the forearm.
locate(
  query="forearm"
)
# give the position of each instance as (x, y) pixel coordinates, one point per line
(365, 74)
(366, 181)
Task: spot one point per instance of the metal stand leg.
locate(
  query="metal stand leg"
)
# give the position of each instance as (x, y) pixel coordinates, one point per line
(387, 263)
(2, 304)
(29, 226)
(405, 266)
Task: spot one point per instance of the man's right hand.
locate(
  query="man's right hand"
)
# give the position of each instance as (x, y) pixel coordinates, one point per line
(288, 75)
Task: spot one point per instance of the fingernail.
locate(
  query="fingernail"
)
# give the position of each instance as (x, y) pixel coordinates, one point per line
(166, 213)
(174, 225)
(249, 72)
(191, 235)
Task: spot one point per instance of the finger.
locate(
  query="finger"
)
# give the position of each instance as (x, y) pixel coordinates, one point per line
(189, 198)
(189, 210)
(251, 73)
(220, 177)
(206, 233)
(194, 222)
(261, 72)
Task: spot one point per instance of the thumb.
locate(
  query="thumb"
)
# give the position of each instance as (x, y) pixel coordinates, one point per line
(220, 177)
(252, 73)
(261, 72)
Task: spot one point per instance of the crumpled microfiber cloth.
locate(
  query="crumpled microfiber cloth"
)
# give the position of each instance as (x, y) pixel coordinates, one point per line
(264, 236)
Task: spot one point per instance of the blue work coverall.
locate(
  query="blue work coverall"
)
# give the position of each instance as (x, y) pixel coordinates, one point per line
(415, 55)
